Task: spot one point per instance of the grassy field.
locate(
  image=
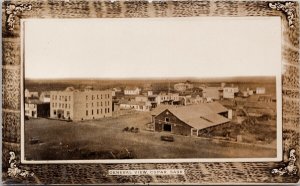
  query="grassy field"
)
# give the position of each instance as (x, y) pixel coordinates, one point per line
(104, 139)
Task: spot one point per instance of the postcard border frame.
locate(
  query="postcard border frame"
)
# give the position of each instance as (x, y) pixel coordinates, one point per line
(197, 173)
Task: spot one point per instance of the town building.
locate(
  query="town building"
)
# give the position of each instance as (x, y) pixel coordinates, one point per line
(30, 109)
(132, 91)
(28, 94)
(230, 92)
(35, 108)
(181, 87)
(260, 90)
(169, 98)
(212, 93)
(45, 97)
(72, 104)
(154, 100)
(135, 105)
(189, 120)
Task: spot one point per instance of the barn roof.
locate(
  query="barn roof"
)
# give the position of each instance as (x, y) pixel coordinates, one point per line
(198, 116)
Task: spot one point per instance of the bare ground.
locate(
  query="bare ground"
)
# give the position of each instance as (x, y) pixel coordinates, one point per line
(104, 139)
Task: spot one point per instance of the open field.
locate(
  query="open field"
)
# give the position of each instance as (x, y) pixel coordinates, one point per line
(104, 139)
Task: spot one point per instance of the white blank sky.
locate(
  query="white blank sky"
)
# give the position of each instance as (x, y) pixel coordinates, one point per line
(152, 47)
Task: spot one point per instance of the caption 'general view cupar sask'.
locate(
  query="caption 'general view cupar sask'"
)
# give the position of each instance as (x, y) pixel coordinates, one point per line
(82, 119)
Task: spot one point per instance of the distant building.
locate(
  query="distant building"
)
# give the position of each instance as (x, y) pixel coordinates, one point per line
(212, 93)
(72, 104)
(229, 92)
(30, 109)
(28, 94)
(132, 91)
(181, 87)
(250, 92)
(267, 98)
(141, 98)
(36, 108)
(154, 100)
(149, 93)
(135, 105)
(45, 97)
(260, 90)
(189, 120)
(169, 98)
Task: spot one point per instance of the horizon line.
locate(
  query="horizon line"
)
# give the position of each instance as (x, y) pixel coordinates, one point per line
(151, 78)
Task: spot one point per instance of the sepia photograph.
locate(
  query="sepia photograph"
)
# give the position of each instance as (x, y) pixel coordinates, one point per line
(130, 89)
(150, 92)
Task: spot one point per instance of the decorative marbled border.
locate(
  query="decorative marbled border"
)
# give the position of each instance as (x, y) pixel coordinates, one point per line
(204, 173)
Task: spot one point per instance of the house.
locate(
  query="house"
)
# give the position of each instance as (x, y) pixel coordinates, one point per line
(132, 91)
(30, 108)
(229, 92)
(71, 104)
(154, 100)
(28, 94)
(260, 90)
(135, 105)
(149, 93)
(141, 98)
(169, 98)
(189, 120)
(45, 97)
(212, 93)
(181, 87)
(35, 108)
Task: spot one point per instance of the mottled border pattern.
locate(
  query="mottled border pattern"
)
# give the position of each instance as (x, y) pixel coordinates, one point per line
(196, 172)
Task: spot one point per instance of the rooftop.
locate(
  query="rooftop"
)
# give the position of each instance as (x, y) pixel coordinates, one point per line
(198, 116)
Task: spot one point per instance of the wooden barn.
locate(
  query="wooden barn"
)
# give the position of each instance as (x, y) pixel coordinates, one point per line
(189, 120)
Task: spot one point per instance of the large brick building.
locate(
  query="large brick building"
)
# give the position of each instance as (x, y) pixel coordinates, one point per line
(72, 104)
(190, 120)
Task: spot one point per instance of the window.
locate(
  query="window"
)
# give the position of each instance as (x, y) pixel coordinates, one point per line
(66, 106)
(167, 119)
(62, 105)
(97, 96)
(87, 113)
(87, 105)
(101, 104)
(92, 104)
(54, 112)
(97, 111)
(55, 97)
(59, 105)
(105, 110)
(59, 97)
(101, 96)
(107, 95)
(101, 111)
(92, 112)
(92, 97)
(87, 97)
(69, 98)
(69, 106)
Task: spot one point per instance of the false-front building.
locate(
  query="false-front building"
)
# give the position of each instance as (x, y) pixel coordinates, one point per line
(72, 104)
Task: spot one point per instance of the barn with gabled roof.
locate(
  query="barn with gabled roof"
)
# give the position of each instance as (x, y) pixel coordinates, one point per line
(189, 120)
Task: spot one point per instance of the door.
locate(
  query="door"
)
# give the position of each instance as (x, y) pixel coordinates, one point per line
(167, 127)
